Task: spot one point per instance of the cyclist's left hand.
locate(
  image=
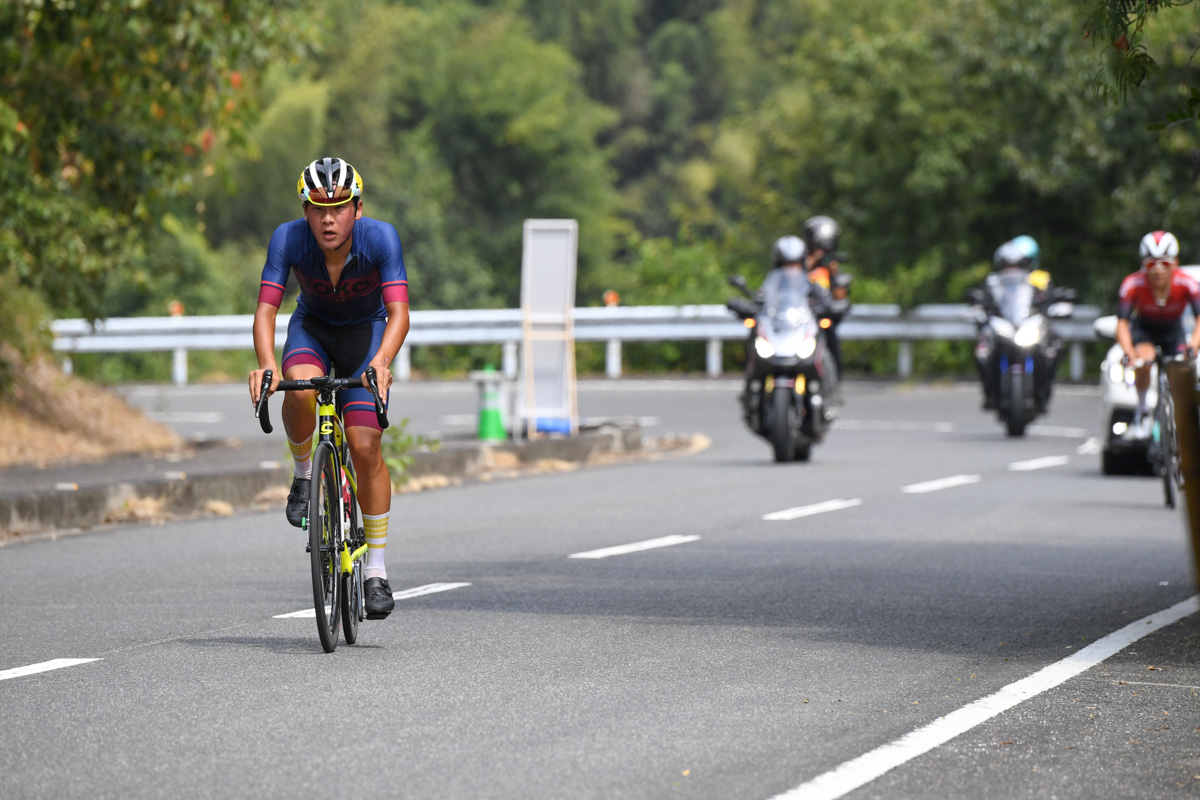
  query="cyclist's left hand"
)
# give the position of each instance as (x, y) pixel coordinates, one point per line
(383, 375)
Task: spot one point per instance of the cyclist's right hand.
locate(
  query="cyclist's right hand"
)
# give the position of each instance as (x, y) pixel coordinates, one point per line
(256, 383)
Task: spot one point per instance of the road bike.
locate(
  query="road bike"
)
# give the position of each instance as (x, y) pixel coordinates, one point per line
(1163, 452)
(336, 539)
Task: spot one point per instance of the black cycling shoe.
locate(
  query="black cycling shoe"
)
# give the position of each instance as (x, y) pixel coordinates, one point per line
(297, 504)
(379, 598)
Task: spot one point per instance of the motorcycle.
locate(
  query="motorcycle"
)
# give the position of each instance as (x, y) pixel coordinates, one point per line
(788, 374)
(1016, 348)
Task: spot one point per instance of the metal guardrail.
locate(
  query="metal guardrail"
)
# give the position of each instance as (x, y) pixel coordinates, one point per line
(614, 324)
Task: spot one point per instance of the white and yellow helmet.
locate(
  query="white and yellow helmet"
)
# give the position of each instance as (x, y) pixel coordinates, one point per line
(329, 182)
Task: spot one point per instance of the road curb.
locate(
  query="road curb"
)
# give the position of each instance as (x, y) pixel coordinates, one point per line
(41, 511)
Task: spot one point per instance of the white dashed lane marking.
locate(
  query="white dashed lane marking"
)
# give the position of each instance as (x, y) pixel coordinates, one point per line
(622, 549)
(1039, 463)
(407, 594)
(45, 666)
(941, 483)
(808, 511)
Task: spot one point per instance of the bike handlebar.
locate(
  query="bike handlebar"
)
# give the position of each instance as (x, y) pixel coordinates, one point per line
(368, 381)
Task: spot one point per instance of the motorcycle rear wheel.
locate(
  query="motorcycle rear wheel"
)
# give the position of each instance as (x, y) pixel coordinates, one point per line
(783, 413)
(1015, 422)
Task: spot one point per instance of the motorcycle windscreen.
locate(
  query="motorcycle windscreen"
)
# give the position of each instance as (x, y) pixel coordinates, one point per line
(790, 323)
(1013, 295)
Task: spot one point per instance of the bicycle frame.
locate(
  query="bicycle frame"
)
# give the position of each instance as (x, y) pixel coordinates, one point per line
(330, 429)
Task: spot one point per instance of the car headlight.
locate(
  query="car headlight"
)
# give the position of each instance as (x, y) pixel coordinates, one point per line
(1028, 334)
(763, 348)
(807, 347)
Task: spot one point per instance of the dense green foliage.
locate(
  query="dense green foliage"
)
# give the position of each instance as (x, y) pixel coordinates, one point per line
(163, 142)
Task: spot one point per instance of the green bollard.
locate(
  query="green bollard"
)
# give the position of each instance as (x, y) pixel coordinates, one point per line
(491, 418)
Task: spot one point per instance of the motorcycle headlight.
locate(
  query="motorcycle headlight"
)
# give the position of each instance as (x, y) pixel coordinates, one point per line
(807, 347)
(763, 348)
(1002, 328)
(1116, 373)
(1028, 334)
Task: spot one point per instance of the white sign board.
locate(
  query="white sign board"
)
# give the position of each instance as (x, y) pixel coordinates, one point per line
(548, 261)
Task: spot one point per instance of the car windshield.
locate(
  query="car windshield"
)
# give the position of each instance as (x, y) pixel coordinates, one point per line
(1013, 294)
(786, 290)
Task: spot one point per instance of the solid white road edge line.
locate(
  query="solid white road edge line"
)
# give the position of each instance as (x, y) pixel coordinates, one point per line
(869, 766)
(622, 549)
(941, 483)
(1039, 463)
(45, 666)
(808, 511)
(406, 594)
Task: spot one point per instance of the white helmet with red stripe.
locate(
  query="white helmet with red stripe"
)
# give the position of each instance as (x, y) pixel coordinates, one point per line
(1159, 244)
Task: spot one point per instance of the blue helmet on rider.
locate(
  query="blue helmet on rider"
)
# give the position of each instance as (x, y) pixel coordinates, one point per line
(1010, 256)
(1029, 247)
(788, 250)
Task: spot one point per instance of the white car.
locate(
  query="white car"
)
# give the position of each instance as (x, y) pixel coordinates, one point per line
(1118, 400)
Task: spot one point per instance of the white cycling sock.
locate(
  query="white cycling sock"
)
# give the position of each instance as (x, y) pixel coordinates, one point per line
(301, 457)
(1141, 404)
(375, 527)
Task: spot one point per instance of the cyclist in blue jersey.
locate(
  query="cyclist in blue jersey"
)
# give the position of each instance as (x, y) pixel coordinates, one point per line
(352, 313)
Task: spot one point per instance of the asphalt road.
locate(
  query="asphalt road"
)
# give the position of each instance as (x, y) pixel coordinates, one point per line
(781, 636)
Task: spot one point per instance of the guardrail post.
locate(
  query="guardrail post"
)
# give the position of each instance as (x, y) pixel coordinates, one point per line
(179, 366)
(1076, 361)
(508, 364)
(403, 364)
(612, 358)
(68, 366)
(1187, 428)
(904, 359)
(713, 358)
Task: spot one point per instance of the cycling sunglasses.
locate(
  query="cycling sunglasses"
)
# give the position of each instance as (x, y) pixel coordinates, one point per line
(1158, 263)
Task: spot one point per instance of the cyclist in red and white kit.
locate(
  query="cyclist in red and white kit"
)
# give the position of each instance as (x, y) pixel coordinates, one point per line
(1150, 314)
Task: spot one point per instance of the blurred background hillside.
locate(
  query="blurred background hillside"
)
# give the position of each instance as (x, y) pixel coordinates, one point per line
(151, 149)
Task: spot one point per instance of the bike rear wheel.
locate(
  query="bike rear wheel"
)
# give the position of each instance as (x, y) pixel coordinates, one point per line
(324, 543)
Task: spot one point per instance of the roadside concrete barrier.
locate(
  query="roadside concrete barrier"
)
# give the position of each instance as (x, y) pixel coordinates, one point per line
(27, 512)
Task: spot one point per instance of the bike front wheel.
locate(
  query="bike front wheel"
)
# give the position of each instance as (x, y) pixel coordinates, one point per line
(1168, 446)
(324, 543)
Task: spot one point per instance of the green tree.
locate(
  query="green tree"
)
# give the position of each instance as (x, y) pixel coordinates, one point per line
(108, 108)
(463, 125)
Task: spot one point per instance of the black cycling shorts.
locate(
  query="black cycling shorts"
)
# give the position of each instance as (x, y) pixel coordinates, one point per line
(1170, 338)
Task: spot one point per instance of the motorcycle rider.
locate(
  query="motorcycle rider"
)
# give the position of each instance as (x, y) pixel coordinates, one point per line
(1038, 278)
(1150, 314)
(1011, 258)
(787, 253)
(822, 235)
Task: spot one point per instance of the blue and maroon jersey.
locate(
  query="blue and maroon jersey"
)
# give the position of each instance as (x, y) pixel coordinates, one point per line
(374, 273)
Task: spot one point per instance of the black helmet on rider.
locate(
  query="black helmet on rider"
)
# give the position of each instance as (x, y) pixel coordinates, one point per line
(788, 250)
(822, 233)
